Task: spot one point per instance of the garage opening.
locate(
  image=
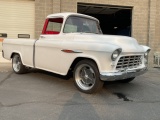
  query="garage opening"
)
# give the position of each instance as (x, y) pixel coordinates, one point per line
(114, 20)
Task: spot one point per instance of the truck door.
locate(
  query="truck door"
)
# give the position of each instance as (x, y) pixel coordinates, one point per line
(48, 47)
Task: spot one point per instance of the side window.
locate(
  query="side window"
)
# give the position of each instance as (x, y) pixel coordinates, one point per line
(52, 26)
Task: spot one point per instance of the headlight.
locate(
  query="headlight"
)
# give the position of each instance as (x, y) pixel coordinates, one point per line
(115, 54)
(146, 54)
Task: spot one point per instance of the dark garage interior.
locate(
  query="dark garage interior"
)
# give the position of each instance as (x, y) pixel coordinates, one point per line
(114, 20)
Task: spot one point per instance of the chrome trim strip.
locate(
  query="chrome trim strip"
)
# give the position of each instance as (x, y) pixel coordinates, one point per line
(75, 51)
(71, 51)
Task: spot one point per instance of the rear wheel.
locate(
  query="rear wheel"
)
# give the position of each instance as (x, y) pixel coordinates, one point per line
(17, 65)
(126, 80)
(86, 77)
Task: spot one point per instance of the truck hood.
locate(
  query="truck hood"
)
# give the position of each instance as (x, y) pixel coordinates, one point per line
(128, 44)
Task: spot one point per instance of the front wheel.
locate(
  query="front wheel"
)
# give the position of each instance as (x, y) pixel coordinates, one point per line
(86, 77)
(17, 65)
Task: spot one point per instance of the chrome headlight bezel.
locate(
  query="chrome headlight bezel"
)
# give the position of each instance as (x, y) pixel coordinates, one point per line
(146, 56)
(115, 54)
(146, 53)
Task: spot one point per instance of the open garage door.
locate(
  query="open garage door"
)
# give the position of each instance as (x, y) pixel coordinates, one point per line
(17, 17)
(114, 20)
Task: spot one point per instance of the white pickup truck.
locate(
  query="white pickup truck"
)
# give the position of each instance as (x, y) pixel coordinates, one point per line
(74, 42)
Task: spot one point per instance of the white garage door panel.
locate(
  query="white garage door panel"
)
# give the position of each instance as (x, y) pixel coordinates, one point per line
(17, 17)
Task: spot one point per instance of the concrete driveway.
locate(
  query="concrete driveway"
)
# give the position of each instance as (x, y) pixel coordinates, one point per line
(40, 95)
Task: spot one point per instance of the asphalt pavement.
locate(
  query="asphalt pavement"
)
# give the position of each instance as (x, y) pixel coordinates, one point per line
(40, 95)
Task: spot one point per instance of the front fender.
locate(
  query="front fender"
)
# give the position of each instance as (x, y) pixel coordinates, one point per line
(97, 51)
(146, 48)
(102, 59)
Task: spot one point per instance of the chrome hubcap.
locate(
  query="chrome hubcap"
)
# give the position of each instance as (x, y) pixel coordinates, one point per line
(85, 77)
(16, 63)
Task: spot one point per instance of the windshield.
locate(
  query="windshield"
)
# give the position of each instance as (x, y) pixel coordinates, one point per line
(76, 24)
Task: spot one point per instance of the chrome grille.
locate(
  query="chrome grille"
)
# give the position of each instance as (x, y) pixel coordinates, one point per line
(129, 62)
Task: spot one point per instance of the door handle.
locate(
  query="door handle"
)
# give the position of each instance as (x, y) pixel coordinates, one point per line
(43, 37)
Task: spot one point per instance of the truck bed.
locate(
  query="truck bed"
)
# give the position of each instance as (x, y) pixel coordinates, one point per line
(25, 48)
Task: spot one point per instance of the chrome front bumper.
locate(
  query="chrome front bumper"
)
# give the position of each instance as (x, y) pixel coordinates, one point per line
(112, 76)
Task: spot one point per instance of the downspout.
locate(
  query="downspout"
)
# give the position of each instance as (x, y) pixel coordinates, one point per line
(149, 42)
(149, 26)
